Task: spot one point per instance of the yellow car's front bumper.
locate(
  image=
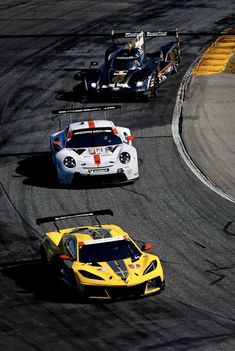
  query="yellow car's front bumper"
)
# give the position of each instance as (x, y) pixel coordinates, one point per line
(148, 287)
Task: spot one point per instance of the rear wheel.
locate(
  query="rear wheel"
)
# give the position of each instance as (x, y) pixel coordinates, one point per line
(156, 86)
(75, 290)
(44, 257)
(175, 67)
(176, 64)
(153, 89)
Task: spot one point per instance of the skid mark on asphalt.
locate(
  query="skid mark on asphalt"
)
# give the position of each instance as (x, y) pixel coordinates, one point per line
(216, 271)
(3, 192)
(227, 228)
(136, 193)
(199, 244)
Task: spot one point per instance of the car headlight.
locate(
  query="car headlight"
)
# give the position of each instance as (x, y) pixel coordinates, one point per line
(89, 275)
(139, 84)
(125, 157)
(151, 267)
(93, 85)
(69, 162)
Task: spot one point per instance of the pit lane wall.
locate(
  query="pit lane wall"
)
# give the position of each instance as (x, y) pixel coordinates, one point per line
(203, 124)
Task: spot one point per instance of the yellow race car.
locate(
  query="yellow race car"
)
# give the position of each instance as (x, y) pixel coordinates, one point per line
(101, 261)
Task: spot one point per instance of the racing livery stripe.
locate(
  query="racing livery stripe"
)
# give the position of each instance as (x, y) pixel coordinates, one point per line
(119, 268)
(91, 123)
(97, 159)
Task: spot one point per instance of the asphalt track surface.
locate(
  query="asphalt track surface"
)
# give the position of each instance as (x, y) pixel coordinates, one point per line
(208, 120)
(192, 228)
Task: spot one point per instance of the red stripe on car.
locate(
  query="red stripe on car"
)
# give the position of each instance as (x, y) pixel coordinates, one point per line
(97, 160)
(91, 123)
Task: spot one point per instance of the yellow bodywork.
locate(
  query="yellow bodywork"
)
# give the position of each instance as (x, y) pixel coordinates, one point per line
(108, 277)
(56, 236)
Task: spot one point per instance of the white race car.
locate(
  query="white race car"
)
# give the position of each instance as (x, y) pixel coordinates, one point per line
(94, 148)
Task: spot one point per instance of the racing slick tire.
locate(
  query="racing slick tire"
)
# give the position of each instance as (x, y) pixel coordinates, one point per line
(43, 256)
(75, 291)
(175, 65)
(152, 92)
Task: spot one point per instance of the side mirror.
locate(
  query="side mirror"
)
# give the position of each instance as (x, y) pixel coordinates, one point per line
(146, 246)
(64, 257)
(93, 63)
(56, 144)
(130, 138)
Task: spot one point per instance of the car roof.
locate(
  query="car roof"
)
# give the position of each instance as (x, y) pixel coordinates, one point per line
(93, 233)
(90, 234)
(91, 124)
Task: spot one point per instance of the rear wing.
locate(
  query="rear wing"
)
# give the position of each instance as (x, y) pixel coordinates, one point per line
(138, 37)
(87, 109)
(104, 108)
(94, 214)
(148, 34)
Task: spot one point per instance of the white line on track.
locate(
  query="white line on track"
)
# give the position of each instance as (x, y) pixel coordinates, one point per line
(175, 127)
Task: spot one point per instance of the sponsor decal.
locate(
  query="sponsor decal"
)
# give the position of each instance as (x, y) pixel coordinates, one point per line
(100, 241)
(96, 150)
(118, 79)
(102, 269)
(134, 265)
(92, 131)
(156, 34)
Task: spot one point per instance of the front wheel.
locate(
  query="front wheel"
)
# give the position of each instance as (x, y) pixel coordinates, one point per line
(43, 256)
(146, 95)
(154, 88)
(80, 92)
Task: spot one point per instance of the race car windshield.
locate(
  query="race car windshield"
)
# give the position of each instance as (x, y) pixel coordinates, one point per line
(125, 64)
(108, 251)
(93, 138)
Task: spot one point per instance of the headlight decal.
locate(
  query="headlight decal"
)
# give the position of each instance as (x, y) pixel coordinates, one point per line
(69, 162)
(90, 275)
(151, 267)
(125, 157)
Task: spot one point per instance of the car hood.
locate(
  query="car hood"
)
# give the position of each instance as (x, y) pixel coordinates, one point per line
(97, 156)
(120, 272)
(121, 77)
